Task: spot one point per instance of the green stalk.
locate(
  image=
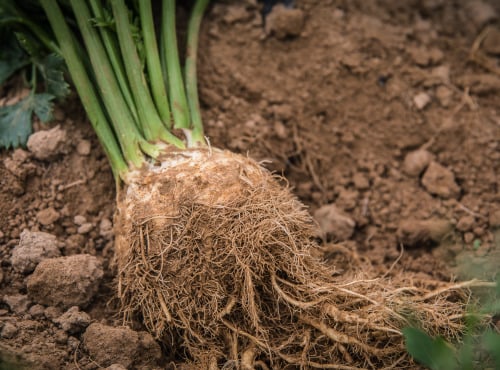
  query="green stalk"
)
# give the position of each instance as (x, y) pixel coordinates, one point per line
(85, 88)
(191, 70)
(156, 79)
(177, 95)
(148, 116)
(112, 49)
(128, 134)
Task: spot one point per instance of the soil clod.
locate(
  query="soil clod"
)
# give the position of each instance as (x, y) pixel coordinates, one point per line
(65, 281)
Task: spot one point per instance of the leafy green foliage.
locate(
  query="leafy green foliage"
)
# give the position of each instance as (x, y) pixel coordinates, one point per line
(52, 69)
(21, 50)
(434, 353)
(12, 56)
(491, 342)
(480, 346)
(15, 120)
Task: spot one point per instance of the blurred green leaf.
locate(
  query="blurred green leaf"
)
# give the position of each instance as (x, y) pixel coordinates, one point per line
(52, 70)
(491, 342)
(16, 119)
(12, 56)
(434, 353)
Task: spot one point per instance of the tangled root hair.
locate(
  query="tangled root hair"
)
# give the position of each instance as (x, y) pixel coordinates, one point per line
(217, 259)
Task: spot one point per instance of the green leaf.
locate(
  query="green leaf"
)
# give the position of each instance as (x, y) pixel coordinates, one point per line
(52, 70)
(434, 353)
(30, 44)
(491, 342)
(12, 56)
(42, 106)
(16, 119)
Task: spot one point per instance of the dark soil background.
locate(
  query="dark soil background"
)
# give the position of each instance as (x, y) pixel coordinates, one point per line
(383, 116)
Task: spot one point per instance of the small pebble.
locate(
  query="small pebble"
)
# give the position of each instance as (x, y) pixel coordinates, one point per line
(419, 233)
(48, 144)
(283, 22)
(9, 331)
(334, 224)
(416, 162)
(116, 367)
(421, 100)
(425, 57)
(37, 311)
(442, 73)
(73, 321)
(494, 218)
(33, 248)
(236, 13)
(468, 238)
(465, 223)
(79, 220)
(444, 95)
(47, 216)
(85, 228)
(105, 228)
(280, 130)
(83, 147)
(18, 303)
(439, 180)
(60, 337)
(478, 231)
(52, 312)
(360, 181)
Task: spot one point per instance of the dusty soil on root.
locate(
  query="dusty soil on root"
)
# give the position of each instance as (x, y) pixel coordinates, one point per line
(387, 114)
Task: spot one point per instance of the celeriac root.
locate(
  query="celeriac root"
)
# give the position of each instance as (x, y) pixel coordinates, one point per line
(215, 257)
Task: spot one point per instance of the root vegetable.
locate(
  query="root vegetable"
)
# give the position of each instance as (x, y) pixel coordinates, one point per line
(214, 255)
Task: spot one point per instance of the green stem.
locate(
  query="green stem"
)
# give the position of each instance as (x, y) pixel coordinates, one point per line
(150, 120)
(85, 88)
(113, 51)
(178, 101)
(33, 78)
(156, 79)
(191, 70)
(119, 113)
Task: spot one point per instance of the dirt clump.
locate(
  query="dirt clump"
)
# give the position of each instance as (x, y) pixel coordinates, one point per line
(439, 180)
(416, 162)
(33, 248)
(73, 321)
(65, 281)
(421, 233)
(18, 303)
(121, 346)
(48, 144)
(334, 224)
(284, 22)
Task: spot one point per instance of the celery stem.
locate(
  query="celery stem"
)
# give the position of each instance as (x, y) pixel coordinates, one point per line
(191, 70)
(119, 113)
(177, 94)
(112, 49)
(156, 78)
(85, 88)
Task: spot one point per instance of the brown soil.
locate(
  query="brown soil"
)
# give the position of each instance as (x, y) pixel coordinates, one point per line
(338, 97)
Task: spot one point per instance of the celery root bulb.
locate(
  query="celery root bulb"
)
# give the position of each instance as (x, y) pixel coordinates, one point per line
(216, 258)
